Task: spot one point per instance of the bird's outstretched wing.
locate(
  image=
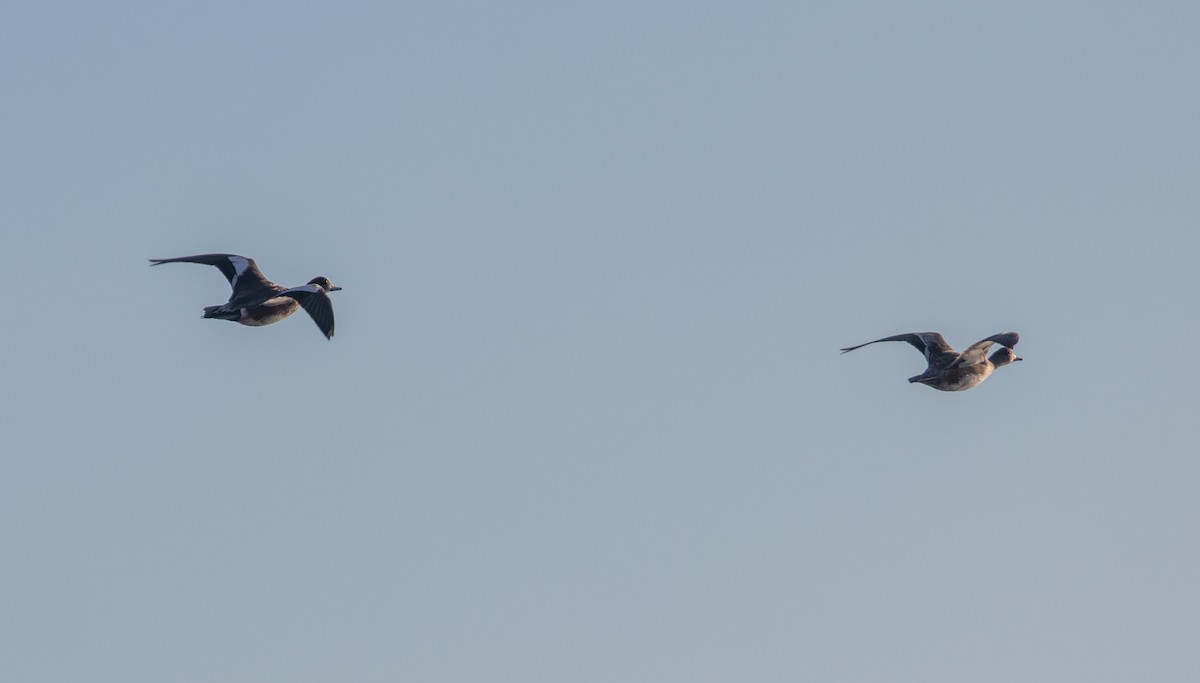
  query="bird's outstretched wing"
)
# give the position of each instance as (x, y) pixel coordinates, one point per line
(932, 345)
(316, 303)
(977, 352)
(242, 272)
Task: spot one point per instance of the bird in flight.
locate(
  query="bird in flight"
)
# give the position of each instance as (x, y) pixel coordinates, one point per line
(258, 301)
(949, 370)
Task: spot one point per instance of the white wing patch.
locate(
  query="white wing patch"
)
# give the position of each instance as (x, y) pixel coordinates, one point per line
(239, 266)
(311, 289)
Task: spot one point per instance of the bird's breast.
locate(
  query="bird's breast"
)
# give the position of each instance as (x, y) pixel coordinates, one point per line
(963, 378)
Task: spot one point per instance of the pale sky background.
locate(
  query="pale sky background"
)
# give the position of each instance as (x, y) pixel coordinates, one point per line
(584, 418)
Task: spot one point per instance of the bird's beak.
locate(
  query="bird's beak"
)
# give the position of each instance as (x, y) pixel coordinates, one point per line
(336, 289)
(1015, 358)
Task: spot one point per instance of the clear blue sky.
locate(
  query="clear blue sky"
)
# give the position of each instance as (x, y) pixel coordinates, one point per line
(584, 419)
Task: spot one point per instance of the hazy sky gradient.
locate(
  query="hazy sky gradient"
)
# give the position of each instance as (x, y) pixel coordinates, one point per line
(584, 418)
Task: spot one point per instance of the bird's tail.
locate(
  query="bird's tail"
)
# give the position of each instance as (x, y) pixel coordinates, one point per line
(221, 313)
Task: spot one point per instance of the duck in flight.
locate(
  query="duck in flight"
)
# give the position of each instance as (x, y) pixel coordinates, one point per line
(258, 301)
(950, 370)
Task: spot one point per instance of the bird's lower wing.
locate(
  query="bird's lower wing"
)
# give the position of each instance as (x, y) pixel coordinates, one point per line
(977, 352)
(316, 303)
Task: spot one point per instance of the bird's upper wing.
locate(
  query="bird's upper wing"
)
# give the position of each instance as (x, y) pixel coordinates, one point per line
(932, 345)
(316, 302)
(977, 352)
(241, 271)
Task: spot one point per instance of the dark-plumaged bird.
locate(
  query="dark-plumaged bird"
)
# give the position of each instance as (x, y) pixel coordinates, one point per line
(949, 370)
(258, 301)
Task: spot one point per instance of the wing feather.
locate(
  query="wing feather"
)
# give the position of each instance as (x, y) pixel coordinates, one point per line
(241, 271)
(978, 352)
(316, 303)
(932, 345)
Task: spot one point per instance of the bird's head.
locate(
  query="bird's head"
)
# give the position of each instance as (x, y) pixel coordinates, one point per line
(324, 283)
(1004, 356)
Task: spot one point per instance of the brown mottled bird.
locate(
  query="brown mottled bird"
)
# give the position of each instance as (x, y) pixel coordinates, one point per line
(950, 370)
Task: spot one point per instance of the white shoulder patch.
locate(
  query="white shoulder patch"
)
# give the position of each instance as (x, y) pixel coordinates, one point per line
(311, 289)
(239, 266)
